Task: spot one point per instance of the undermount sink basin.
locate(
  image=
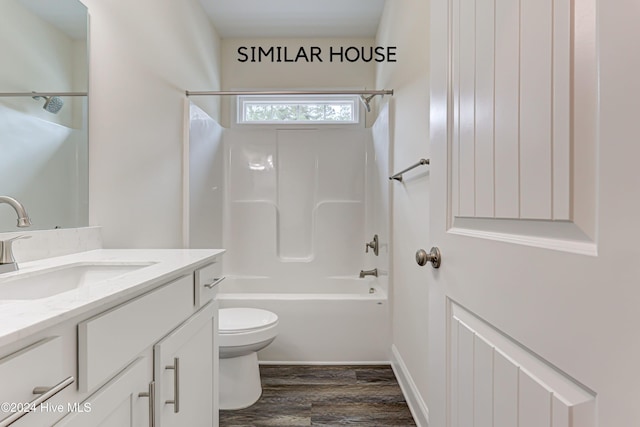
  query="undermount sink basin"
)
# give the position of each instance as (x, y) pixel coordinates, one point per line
(53, 281)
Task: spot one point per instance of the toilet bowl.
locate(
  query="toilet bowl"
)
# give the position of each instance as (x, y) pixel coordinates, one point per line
(242, 333)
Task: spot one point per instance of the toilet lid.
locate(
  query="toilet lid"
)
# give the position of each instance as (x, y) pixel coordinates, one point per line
(234, 320)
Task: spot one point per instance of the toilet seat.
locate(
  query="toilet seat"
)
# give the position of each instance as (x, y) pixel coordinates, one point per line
(243, 320)
(242, 329)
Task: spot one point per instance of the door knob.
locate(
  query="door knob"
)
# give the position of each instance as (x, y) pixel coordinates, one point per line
(434, 257)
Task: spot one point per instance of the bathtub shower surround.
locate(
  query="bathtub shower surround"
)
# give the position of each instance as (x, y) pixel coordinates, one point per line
(299, 206)
(378, 188)
(296, 202)
(321, 320)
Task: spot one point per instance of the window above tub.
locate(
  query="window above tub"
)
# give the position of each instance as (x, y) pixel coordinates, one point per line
(298, 109)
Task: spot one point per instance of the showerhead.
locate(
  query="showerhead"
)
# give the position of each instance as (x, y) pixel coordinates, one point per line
(52, 104)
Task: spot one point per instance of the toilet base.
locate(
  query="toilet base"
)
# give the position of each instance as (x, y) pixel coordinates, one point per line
(239, 381)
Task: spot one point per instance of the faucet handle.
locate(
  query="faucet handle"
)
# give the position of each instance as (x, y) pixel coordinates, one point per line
(373, 245)
(6, 249)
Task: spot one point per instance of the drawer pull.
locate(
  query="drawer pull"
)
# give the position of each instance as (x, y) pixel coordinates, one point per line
(151, 394)
(45, 393)
(214, 283)
(176, 385)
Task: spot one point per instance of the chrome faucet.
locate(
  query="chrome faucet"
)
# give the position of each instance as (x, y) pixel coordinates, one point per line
(364, 273)
(7, 261)
(23, 217)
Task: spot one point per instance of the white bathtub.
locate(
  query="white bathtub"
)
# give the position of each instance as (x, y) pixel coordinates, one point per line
(331, 320)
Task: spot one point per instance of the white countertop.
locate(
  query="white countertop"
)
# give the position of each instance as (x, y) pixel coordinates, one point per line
(21, 318)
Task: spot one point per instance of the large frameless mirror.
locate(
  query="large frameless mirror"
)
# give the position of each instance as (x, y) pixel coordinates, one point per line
(44, 112)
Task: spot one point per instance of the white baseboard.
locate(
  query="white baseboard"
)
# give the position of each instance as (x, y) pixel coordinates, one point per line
(416, 404)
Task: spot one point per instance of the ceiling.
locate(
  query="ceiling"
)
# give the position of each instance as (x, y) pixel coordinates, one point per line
(294, 18)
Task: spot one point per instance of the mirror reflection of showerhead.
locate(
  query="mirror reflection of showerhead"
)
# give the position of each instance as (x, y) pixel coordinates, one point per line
(52, 104)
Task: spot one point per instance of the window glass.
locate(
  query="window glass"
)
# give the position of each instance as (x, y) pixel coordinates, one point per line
(298, 109)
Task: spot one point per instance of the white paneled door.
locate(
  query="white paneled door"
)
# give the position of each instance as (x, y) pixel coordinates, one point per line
(535, 311)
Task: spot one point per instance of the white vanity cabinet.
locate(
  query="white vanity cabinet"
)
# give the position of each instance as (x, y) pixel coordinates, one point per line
(118, 403)
(40, 365)
(109, 340)
(149, 361)
(184, 372)
(206, 283)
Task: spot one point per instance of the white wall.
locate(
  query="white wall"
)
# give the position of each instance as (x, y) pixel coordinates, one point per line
(144, 55)
(404, 24)
(294, 75)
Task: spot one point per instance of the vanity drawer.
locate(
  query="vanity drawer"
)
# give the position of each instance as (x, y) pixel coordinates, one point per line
(207, 280)
(39, 365)
(109, 341)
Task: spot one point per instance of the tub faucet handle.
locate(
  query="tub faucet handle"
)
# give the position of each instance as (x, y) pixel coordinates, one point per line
(373, 245)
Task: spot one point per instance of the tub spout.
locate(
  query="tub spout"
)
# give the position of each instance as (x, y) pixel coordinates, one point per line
(364, 273)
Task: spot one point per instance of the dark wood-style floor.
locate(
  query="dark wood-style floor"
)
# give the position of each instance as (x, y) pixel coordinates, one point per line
(324, 396)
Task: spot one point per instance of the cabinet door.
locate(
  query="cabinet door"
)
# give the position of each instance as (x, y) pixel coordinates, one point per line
(117, 403)
(184, 363)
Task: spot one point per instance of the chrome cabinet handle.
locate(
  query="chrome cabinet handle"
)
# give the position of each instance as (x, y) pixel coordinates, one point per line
(434, 257)
(214, 283)
(45, 393)
(151, 394)
(176, 385)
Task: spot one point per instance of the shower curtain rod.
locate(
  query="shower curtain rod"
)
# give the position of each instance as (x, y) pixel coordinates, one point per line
(290, 92)
(15, 94)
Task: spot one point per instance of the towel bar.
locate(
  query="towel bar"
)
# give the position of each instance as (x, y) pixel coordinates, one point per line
(398, 176)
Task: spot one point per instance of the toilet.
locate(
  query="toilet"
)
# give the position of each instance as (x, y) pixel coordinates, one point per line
(242, 333)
